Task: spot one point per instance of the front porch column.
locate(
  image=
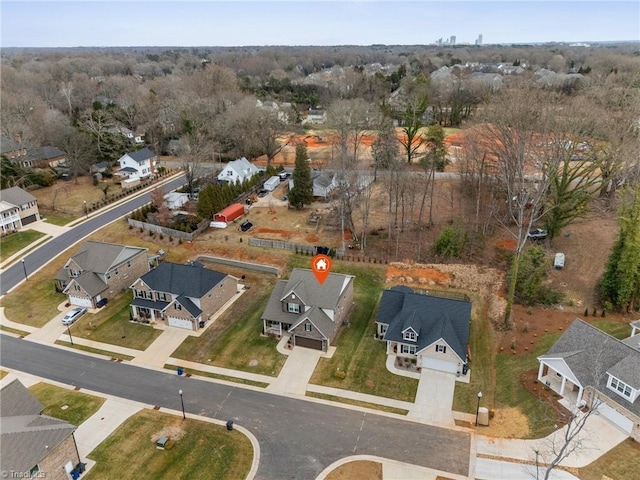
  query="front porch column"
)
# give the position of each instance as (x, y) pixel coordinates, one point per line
(264, 326)
(153, 314)
(580, 392)
(562, 385)
(134, 312)
(540, 371)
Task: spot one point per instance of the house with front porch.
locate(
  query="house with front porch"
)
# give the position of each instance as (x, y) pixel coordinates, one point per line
(138, 165)
(19, 203)
(100, 271)
(432, 331)
(589, 367)
(310, 311)
(183, 296)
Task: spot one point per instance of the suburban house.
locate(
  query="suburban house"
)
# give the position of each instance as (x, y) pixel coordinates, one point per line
(32, 444)
(100, 271)
(323, 183)
(183, 296)
(131, 136)
(589, 367)
(12, 149)
(432, 330)
(310, 311)
(175, 200)
(238, 171)
(315, 116)
(17, 209)
(138, 165)
(44, 157)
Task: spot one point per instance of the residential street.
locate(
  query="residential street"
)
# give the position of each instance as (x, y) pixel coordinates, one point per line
(13, 275)
(298, 439)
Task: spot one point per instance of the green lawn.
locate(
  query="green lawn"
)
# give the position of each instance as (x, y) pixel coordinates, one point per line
(14, 330)
(620, 330)
(227, 378)
(482, 364)
(80, 406)
(349, 401)
(358, 354)
(238, 341)
(621, 463)
(57, 219)
(20, 306)
(200, 450)
(111, 325)
(17, 241)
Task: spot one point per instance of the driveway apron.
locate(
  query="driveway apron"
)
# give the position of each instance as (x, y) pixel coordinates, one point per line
(434, 398)
(296, 372)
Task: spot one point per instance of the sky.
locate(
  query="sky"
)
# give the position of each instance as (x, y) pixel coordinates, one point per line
(86, 23)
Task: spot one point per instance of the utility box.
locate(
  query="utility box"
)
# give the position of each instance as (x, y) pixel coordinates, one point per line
(162, 443)
(483, 416)
(558, 261)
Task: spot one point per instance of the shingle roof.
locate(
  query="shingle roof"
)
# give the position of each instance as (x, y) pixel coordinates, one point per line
(434, 318)
(243, 167)
(152, 304)
(26, 437)
(101, 257)
(178, 279)
(319, 319)
(45, 153)
(591, 353)
(141, 155)
(304, 285)
(90, 283)
(191, 307)
(16, 196)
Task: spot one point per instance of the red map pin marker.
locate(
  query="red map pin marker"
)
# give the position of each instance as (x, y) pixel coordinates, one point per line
(321, 267)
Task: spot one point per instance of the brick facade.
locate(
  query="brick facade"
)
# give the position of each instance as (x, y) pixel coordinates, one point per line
(52, 466)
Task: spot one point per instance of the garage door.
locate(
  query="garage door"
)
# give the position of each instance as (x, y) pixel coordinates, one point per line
(180, 323)
(80, 301)
(309, 343)
(29, 219)
(437, 364)
(616, 418)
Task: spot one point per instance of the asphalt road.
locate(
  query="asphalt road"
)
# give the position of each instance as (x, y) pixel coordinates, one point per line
(43, 255)
(298, 439)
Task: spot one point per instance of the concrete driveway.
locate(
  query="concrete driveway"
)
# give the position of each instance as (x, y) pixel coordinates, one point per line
(296, 372)
(52, 330)
(434, 398)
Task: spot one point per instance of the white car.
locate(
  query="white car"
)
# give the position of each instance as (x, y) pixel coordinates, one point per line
(73, 315)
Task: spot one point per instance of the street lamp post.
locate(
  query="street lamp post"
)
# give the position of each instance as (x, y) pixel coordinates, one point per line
(478, 407)
(86, 212)
(24, 267)
(69, 332)
(180, 392)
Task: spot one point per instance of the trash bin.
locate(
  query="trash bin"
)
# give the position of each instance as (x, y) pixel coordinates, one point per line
(180, 370)
(483, 416)
(229, 424)
(201, 323)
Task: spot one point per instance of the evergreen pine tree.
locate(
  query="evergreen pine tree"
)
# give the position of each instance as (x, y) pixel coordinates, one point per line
(302, 192)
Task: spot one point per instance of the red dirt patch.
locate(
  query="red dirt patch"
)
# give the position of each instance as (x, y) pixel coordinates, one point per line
(506, 244)
(312, 238)
(427, 274)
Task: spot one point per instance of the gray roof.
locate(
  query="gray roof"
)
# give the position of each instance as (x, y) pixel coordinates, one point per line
(128, 170)
(100, 257)
(141, 155)
(9, 145)
(178, 279)
(89, 282)
(319, 319)
(591, 354)
(45, 153)
(16, 196)
(191, 307)
(152, 304)
(243, 167)
(26, 436)
(432, 318)
(304, 285)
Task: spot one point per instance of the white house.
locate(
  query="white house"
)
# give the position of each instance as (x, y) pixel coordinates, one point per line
(238, 171)
(175, 200)
(139, 164)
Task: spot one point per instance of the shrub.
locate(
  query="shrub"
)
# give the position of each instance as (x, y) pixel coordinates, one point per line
(450, 242)
(341, 374)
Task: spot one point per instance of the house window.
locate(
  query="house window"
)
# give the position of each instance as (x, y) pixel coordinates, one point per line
(75, 273)
(162, 296)
(293, 307)
(410, 335)
(177, 306)
(34, 471)
(116, 271)
(619, 387)
(441, 349)
(408, 349)
(308, 327)
(129, 264)
(149, 295)
(77, 288)
(108, 276)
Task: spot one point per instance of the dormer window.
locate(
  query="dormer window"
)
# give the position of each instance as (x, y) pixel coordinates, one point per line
(293, 307)
(410, 335)
(619, 387)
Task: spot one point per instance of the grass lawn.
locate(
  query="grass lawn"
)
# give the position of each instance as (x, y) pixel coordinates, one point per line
(361, 469)
(618, 330)
(68, 197)
(111, 325)
(200, 450)
(358, 354)
(482, 364)
(20, 305)
(14, 330)
(227, 378)
(17, 241)
(80, 405)
(621, 463)
(95, 350)
(3, 374)
(57, 218)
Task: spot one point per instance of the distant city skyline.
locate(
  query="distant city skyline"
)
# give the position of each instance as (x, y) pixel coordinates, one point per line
(116, 23)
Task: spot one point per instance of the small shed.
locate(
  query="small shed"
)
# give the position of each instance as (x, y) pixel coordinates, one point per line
(271, 184)
(558, 261)
(230, 213)
(175, 200)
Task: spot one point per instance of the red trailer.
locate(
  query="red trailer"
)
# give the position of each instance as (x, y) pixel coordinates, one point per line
(230, 213)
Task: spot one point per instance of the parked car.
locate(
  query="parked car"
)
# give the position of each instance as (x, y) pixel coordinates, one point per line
(246, 225)
(262, 193)
(537, 234)
(73, 315)
(284, 175)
